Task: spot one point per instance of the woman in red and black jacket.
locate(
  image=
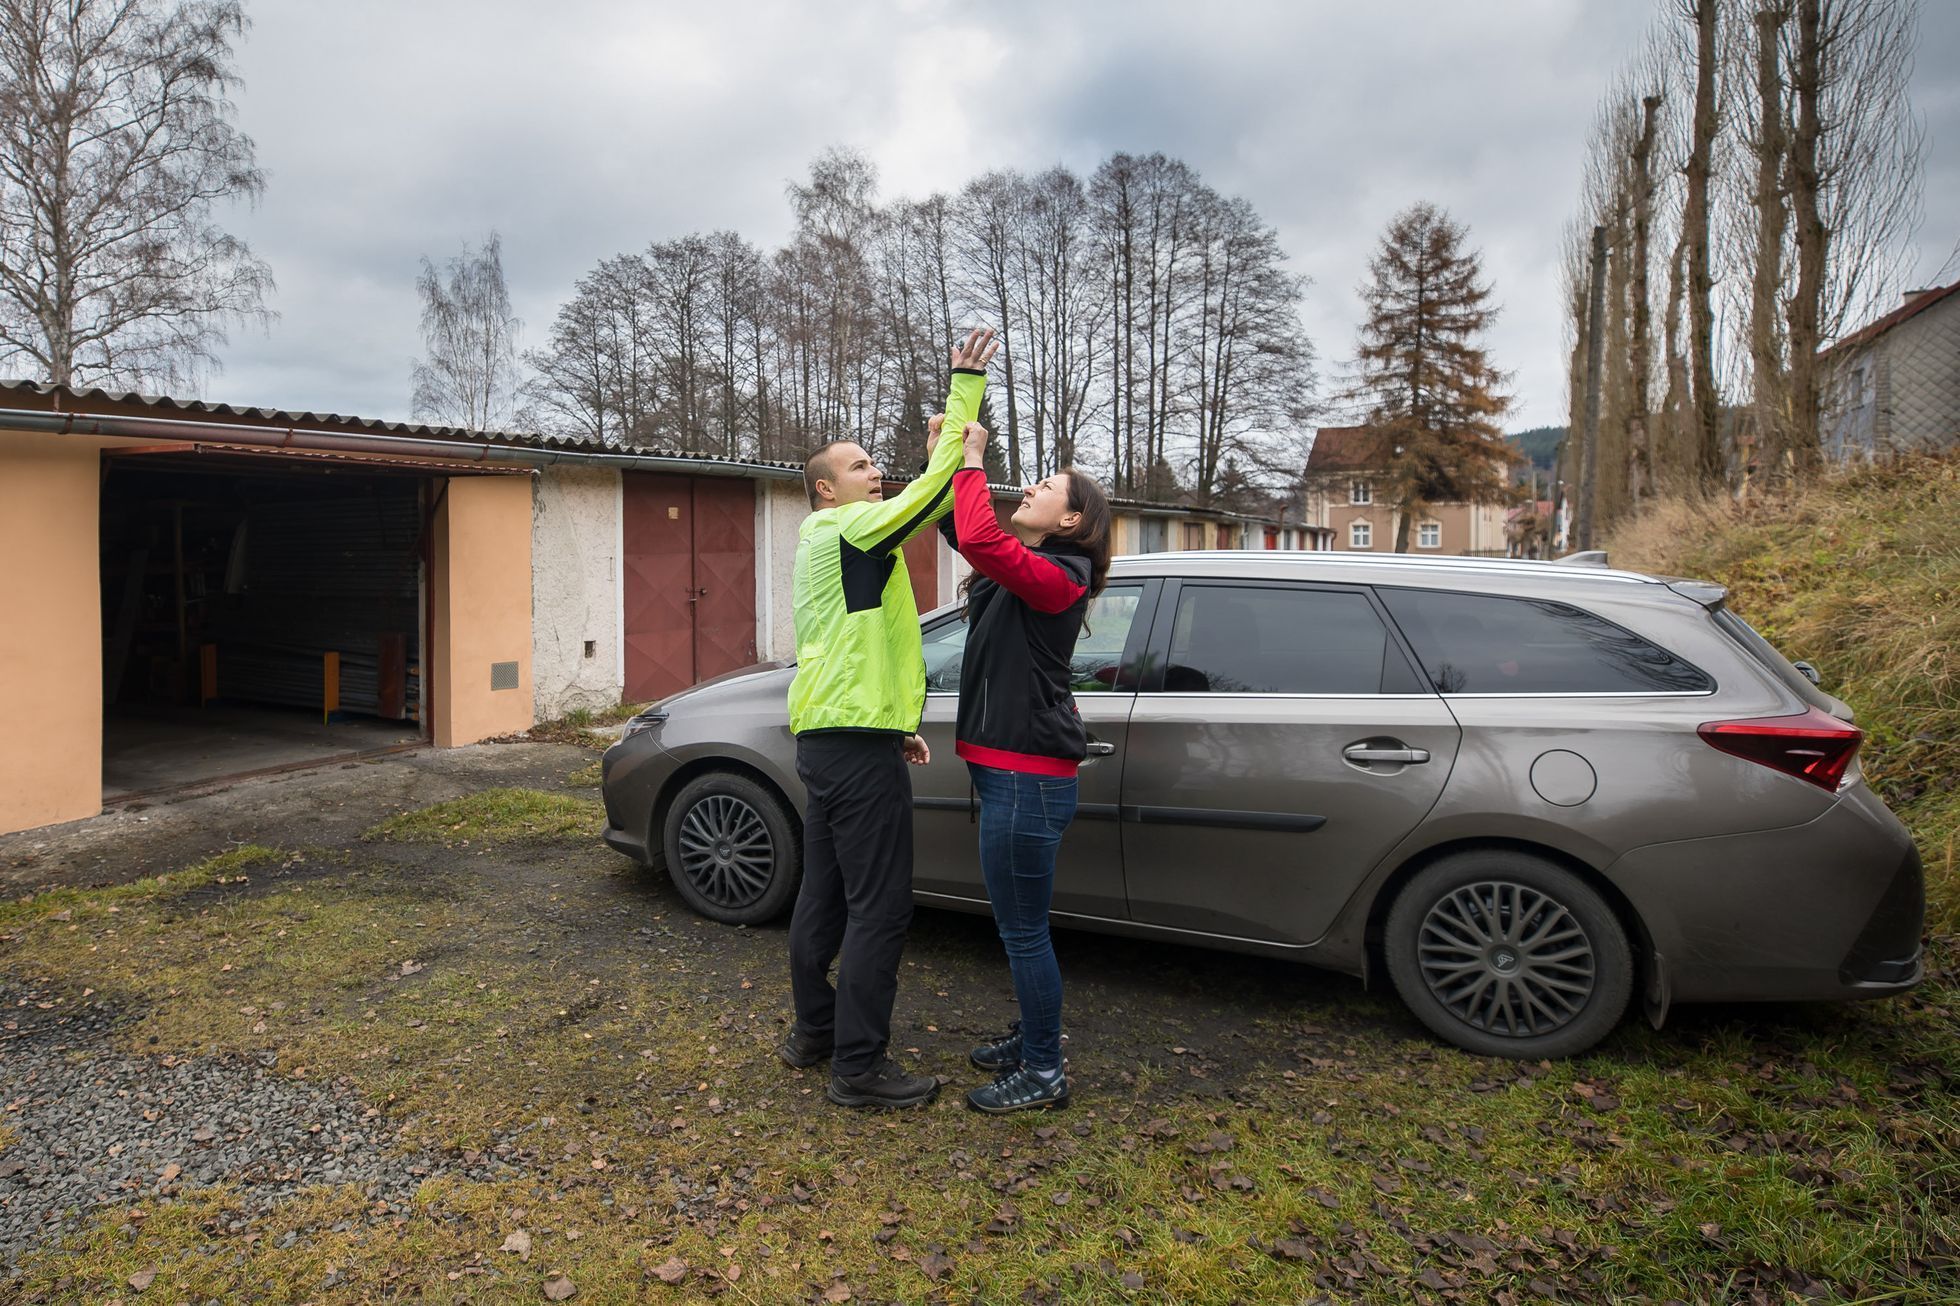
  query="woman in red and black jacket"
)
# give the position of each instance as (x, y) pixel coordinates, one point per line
(1022, 737)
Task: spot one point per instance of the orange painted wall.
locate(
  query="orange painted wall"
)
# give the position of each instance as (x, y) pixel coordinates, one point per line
(482, 608)
(50, 630)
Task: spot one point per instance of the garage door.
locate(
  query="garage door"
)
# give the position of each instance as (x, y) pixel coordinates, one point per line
(689, 545)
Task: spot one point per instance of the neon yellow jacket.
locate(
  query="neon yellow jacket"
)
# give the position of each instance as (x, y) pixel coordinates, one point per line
(859, 662)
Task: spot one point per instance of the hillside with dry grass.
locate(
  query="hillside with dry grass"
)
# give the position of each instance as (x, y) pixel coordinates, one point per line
(1859, 575)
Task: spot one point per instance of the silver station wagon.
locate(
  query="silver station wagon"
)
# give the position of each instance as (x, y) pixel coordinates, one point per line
(1525, 791)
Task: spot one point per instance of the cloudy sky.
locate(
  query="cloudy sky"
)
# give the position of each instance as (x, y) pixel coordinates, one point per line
(580, 129)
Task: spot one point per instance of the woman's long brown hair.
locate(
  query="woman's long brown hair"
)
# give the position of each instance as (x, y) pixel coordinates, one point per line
(1091, 534)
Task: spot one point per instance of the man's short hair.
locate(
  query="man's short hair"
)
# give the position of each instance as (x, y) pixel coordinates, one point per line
(817, 467)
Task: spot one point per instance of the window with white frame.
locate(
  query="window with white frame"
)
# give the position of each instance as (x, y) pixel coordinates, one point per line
(1361, 535)
(1429, 535)
(1361, 492)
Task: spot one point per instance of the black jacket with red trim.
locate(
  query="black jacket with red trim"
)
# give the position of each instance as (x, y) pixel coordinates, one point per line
(1024, 612)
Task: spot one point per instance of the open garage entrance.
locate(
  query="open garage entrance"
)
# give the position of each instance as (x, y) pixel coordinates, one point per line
(259, 610)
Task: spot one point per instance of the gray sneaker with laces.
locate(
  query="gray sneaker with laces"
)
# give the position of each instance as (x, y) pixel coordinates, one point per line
(1020, 1090)
(1001, 1054)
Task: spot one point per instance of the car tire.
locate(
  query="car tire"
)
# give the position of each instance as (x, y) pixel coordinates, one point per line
(731, 849)
(1508, 955)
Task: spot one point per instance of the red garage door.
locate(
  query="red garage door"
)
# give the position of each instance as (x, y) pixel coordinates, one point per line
(689, 580)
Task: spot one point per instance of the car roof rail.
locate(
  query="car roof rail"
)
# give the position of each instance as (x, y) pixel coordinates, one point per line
(1584, 558)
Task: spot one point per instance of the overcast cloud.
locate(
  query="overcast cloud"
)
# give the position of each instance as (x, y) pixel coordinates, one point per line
(580, 130)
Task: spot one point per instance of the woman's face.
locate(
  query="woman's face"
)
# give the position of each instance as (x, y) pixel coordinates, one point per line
(1044, 507)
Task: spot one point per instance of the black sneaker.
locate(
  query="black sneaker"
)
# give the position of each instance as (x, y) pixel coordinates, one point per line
(1002, 1054)
(801, 1051)
(885, 1086)
(1021, 1091)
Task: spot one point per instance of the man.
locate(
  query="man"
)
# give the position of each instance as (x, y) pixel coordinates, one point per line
(854, 707)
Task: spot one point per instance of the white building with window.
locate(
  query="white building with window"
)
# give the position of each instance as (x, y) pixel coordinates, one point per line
(1893, 386)
(1341, 498)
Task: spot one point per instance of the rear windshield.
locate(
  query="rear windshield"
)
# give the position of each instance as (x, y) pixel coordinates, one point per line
(1765, 652)
(1488, 644)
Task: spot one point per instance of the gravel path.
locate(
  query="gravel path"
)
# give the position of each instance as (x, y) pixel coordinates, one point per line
(91, 1131)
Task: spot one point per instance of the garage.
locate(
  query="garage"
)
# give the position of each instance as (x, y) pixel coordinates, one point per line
(197, 592)
(259, 610)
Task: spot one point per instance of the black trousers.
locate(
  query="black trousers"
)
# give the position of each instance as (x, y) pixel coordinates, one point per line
(855, 905)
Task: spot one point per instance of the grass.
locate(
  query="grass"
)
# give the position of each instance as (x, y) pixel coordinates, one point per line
(497, 816)
(578, 726)
(628, 1068)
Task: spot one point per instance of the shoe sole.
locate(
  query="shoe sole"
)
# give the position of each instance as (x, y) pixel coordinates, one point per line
(1049, 1104)
(848, 1098)
(991, 1067)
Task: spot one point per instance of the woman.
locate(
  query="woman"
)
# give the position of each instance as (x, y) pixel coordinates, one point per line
(1022, 737)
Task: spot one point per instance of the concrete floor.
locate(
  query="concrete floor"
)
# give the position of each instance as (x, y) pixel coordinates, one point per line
(149, 748)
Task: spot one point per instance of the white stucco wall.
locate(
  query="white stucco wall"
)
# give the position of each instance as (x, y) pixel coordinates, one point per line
(780, 508)
(575, 590)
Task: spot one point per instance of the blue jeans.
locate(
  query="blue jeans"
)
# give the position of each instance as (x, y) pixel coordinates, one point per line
(1022, 818)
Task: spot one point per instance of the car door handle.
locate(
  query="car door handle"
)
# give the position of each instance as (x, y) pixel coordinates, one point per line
(1363, 753)
(1097, 748)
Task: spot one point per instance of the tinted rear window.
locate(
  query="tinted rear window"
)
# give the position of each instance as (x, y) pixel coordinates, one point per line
(1275, 639)
(1771, 657)
(1486, 644)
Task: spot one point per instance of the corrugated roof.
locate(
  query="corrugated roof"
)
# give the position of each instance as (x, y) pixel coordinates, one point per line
(67, 398)
(1912, 308)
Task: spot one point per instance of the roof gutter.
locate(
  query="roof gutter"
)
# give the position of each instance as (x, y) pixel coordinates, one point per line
(295, 437)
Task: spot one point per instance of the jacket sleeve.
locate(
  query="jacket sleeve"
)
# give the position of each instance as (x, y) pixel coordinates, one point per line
(879, 528)
(1040, 582)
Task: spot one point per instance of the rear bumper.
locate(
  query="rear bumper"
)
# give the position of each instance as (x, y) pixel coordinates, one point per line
(1832, 909)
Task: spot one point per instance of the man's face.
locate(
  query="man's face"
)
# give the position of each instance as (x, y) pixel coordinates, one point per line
(853, 477)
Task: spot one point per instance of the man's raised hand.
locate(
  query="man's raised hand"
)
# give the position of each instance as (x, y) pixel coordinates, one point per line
(933, 424)
(976, 351)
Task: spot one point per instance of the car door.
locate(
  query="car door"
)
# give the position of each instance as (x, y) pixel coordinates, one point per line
(1281, 745)
(1088, 869)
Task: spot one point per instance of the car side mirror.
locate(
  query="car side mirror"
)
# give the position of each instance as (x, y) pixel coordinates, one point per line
(1809, 672)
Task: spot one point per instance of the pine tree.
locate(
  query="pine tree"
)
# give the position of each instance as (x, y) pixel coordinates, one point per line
(1431, 392)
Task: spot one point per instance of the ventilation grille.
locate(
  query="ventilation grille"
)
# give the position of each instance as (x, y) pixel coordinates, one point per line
(503, 675)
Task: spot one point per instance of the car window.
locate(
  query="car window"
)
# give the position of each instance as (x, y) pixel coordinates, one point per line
(944, 645)
(1491, 644)
(1098, 650)
(1771, 657)
(1275, 639)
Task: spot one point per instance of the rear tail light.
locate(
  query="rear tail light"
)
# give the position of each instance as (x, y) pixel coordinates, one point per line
(1813, 745)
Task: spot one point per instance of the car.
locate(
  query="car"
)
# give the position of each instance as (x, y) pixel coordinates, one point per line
(1526, 792)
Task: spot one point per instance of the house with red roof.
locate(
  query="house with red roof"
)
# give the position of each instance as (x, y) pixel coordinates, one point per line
(1346, 494)
(1893, 386)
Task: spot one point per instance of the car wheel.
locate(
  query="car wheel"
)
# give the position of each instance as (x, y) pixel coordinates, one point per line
(731, 849)
(1508, 955)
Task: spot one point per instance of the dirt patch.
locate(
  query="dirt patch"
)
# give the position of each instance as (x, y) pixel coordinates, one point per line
(311, 808)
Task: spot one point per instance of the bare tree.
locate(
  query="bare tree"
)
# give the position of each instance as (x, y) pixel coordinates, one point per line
(469, 377)
(1855, 157)
(1252, 375)
(1710, 463)
(116, 148)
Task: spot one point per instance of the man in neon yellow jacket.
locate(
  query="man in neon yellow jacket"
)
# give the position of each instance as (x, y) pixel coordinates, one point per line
(854, 707)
